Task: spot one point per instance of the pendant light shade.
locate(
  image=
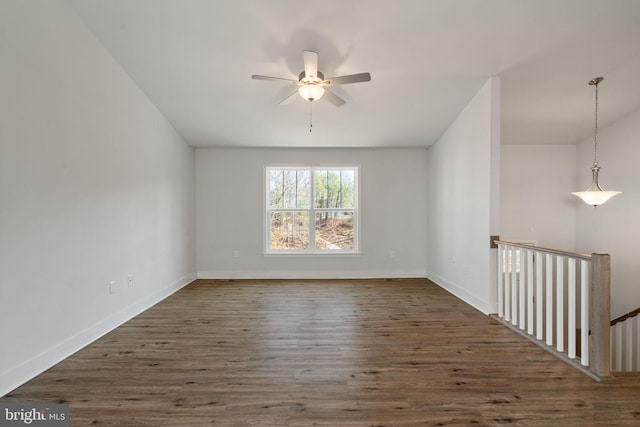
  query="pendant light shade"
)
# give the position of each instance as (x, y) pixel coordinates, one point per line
(595, 195)
(311, 92)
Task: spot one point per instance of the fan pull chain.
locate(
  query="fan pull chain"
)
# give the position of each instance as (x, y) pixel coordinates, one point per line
(310, 116)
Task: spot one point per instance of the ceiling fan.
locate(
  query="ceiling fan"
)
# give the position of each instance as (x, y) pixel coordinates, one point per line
(311, 83)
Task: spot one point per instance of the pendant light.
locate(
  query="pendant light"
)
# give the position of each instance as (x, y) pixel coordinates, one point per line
(595, 195)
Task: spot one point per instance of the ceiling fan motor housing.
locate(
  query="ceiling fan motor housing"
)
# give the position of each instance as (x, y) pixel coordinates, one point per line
(303, 78)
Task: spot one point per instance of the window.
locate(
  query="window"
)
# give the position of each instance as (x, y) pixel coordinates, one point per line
(311, 210)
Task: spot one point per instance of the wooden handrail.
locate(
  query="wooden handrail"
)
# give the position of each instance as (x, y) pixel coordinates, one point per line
(586, 257)
(625, 316)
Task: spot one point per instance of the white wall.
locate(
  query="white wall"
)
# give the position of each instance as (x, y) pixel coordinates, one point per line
(614, 228)
(230, 188)
(536, 200)
(463, 196)
(94, 185)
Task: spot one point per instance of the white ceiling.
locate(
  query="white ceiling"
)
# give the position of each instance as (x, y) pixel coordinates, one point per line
(427, 58)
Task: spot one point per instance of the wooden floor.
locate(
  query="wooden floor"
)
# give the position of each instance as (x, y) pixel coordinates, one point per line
(326, 353)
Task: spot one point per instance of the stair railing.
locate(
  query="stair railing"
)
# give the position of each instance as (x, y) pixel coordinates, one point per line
(559, 300)
(625, 342)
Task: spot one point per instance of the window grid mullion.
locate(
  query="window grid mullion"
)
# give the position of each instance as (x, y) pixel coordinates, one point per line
(312, 212)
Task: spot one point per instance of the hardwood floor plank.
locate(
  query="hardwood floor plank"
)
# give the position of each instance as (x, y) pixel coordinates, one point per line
(323, 353)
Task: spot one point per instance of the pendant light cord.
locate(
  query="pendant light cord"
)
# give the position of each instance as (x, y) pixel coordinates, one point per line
(595, 133)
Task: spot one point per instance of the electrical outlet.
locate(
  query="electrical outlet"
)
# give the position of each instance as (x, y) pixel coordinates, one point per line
(112, 287)
(236, 253)
(392, 254)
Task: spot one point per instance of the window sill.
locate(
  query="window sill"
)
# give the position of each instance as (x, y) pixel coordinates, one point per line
(312, 254)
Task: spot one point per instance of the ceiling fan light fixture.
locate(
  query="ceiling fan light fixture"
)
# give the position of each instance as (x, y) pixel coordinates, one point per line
(311, 82)
(311, 92)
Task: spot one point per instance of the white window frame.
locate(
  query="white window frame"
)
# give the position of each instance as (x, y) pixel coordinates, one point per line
(312, 210)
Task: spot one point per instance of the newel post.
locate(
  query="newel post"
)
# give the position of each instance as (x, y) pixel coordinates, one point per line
(600, 314)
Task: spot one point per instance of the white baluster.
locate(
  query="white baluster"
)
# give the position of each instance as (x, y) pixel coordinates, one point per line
(614, 349)
(571, 316)
(522, 294)
(539, 298)
(560, 303)
(629, 344)
(507, 283)
(515, 266)
(549, 305)
(530, 291)
(500, 280)
(618, 349)
(636, 343)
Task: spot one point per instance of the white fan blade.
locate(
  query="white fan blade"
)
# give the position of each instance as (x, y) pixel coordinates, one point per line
(277, 79)
(343, 80)
(310, 63)
(289, 99)
(333, 98)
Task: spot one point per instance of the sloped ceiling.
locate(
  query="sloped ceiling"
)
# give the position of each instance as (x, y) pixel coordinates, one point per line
(427, 58)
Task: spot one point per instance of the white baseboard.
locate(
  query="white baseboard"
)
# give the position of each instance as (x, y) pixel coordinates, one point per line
(15, 376)
(311, 274)
(460, 292)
